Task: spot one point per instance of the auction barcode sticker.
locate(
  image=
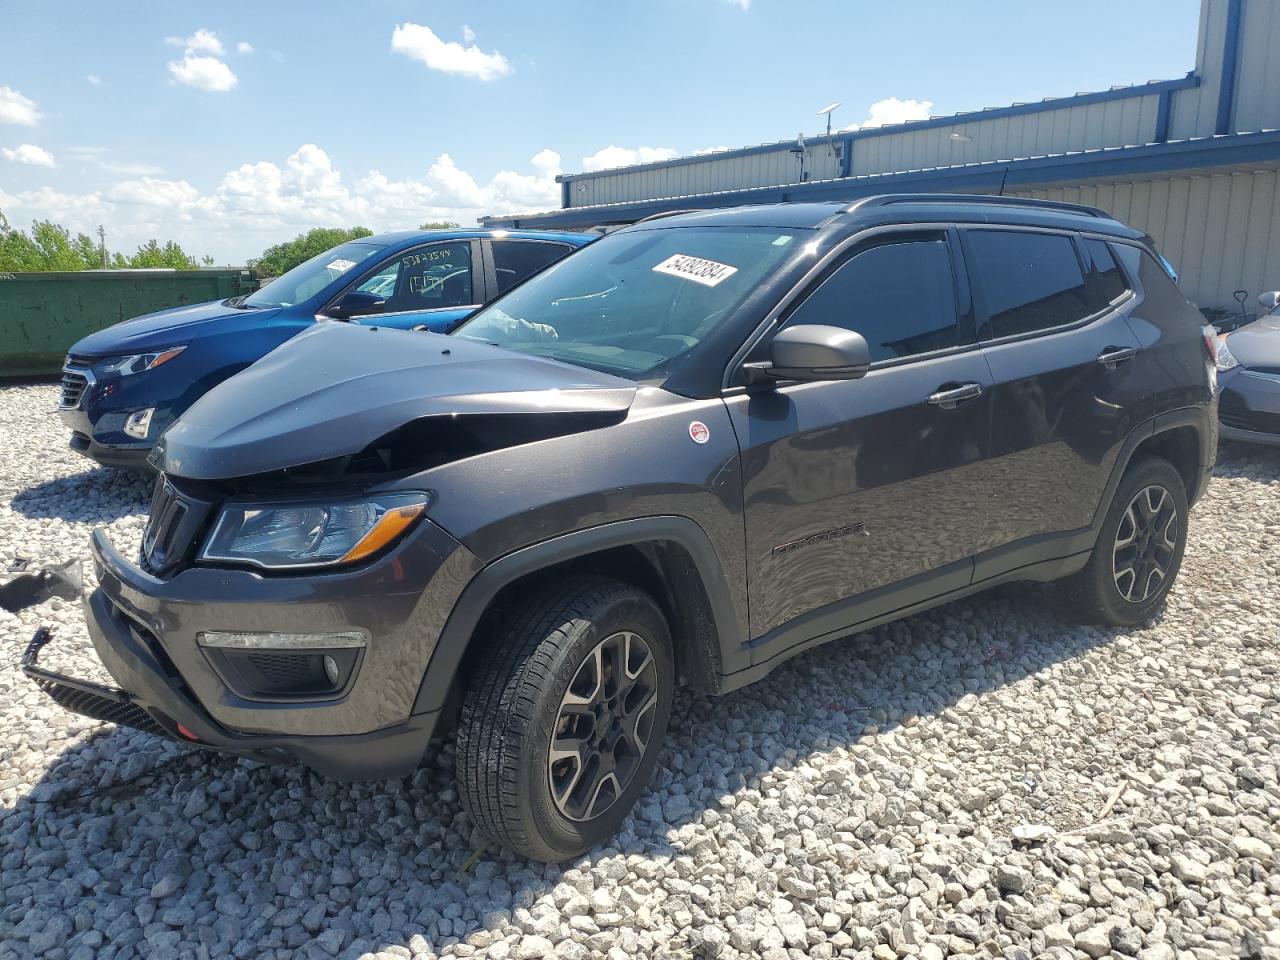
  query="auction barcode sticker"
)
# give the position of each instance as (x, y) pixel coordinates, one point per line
(706, 272)
(342, 266)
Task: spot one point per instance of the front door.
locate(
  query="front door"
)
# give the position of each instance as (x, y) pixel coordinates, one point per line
(854, 488)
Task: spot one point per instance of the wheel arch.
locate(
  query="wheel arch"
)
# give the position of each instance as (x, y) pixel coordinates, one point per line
(669, 557)
(1183, 437)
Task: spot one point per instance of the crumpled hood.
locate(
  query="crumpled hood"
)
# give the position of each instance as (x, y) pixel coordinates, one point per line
(334, 389)
(1257, 344)
(167, 328)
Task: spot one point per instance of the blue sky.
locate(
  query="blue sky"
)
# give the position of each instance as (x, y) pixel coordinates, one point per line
(230, 126)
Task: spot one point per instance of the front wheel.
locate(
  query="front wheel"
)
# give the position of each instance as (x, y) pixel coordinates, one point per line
(563, 720)
(1138, 552)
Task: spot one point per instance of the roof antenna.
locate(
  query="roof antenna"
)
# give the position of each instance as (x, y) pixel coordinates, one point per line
(1003, 180)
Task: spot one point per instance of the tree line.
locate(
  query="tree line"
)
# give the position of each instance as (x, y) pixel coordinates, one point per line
(50, 247)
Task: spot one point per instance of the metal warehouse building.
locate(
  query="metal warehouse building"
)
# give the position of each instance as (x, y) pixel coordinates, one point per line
(1194, 161)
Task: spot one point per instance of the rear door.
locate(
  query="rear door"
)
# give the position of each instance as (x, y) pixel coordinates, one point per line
(858, 485)
(1052, 323)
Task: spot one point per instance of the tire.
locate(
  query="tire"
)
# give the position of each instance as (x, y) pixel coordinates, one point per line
(1102, 592)
(548, 677)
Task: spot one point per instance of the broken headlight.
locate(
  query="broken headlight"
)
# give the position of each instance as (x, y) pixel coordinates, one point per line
(292, 535)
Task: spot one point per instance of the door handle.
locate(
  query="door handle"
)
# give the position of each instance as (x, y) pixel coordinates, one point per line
(952, 397)
(1112, 357)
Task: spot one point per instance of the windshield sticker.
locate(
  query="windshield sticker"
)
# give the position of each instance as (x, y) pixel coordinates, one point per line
(342, 266)
(706, 272)
(782, 241)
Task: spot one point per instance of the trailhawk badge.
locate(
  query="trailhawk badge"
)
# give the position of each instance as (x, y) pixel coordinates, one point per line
(698, 432)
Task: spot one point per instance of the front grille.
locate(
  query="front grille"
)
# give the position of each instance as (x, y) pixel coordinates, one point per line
(74, 384)
(178, 516)
(168, 510)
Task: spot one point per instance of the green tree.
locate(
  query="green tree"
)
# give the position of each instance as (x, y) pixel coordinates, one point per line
(276, 259)
(151, 255)
(439, 225)
(51, 247)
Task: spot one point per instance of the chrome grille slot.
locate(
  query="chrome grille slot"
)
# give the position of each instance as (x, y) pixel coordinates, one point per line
(74, 385)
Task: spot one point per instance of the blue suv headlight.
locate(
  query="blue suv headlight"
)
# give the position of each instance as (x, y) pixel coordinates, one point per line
(138, 362)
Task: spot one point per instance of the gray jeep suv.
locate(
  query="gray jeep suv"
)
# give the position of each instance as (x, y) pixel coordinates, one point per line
(695, 448)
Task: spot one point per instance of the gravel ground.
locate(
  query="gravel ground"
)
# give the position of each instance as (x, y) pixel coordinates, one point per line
(981, 780)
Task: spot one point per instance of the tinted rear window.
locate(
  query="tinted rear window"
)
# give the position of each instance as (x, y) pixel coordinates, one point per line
(1029, 281)
(1106, 282)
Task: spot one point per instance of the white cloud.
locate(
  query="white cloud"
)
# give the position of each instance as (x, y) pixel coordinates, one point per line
(743, 5)
(204, 73)
(94, 79)
(468, 35)
(29, 154)
(420, 43)
(706, 150)
(891, 111)
(244, 47)
(612, 156)
(263, 202)
(202, 41)
(149, 192)
(15, 108)
(130, 169)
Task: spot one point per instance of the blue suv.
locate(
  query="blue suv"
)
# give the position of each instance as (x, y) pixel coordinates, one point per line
(122, 386)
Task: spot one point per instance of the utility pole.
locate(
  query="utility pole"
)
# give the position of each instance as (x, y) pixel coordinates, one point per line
(102, 244)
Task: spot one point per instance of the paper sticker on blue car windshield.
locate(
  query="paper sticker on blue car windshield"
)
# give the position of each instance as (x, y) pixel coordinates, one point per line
(340, 265)
(706, 272)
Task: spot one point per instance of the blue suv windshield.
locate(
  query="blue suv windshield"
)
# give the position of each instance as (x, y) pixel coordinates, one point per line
(632, 302)
(307, 279)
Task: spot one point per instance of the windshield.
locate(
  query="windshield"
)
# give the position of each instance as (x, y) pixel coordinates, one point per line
(307, 279)
(631, 303)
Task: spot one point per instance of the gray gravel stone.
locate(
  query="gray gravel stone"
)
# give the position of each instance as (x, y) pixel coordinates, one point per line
(929, 789)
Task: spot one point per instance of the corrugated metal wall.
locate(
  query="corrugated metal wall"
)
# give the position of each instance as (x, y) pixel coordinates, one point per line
(1258, 87)
(765, 168)
(1221, 232)
(1114, 123)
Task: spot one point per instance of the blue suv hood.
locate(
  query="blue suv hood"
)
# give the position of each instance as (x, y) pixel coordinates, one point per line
(167, 328)
(336, 388)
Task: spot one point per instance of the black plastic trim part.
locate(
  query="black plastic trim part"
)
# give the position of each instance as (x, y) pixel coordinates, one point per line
(433, 694)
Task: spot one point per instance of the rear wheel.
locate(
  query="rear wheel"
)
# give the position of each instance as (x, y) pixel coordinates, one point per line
(1138, 552)
(562, 723)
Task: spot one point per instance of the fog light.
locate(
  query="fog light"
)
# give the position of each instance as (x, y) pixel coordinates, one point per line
(331, 669)
(138, 423)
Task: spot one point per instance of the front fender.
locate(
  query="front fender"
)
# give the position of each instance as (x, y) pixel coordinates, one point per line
(480, 593)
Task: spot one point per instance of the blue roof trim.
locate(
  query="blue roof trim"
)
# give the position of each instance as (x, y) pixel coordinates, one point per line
(1108, 163)
(1230, 64)
(1158, 87)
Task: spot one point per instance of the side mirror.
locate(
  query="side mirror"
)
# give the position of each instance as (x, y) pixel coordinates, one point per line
(356, 303)
(814, 352)
(1269, 301)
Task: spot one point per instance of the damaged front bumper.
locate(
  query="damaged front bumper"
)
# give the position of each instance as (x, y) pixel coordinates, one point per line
(162, 709)
(146, 632)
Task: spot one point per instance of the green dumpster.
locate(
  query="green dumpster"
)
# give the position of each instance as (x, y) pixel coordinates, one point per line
(43, 314)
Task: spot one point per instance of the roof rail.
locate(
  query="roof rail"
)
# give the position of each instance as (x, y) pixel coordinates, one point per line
(668, 213)
(885, 199)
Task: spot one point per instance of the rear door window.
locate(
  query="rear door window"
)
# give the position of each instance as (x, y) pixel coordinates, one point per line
(899, 295)
(1027, 281)
(514, 260)
(1105, 283)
